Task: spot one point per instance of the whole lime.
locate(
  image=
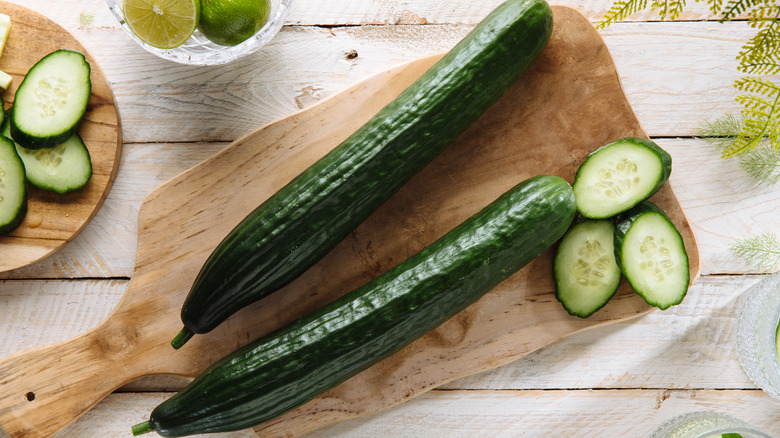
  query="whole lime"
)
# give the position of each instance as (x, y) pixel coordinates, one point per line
(229, 22)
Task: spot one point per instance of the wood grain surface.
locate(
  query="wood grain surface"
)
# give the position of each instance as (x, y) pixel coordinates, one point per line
(43, 390)
(53, 219)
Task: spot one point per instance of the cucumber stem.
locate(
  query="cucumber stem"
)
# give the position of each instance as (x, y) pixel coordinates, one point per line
(142, 428)
(184, 335)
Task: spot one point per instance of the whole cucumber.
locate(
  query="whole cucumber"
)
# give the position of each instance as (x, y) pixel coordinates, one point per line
(317, 352)
(305, 219)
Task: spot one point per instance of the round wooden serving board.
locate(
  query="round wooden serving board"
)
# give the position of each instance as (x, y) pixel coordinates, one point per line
(52, 219)
(567, 105)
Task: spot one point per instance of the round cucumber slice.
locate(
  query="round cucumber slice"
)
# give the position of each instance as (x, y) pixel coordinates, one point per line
(51, 100)
(585, 271)
(652, 255)
(619, 175)
(63, 168)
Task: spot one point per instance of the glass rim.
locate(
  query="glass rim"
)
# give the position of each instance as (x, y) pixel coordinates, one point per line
(198, 50)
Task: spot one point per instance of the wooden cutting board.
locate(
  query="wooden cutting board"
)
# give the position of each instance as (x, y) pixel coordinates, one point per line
(568, 104)
(53, 220)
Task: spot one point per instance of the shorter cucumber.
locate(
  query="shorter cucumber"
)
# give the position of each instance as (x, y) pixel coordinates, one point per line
(63, 168)
(617, 176)
(585, 271)
(51, 100)
(13, 191)
(652, 256)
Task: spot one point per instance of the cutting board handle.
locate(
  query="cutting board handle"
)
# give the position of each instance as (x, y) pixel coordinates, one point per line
(44, 389)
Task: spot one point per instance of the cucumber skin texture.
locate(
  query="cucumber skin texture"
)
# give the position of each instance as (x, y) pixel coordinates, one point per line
(666, 165)
(623, 223)
(33, 142)
(306, 358)
(7, 228)
(304, 220)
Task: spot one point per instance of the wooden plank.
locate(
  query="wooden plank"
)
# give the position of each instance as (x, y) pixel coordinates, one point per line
(630, 413)
(682, 76)
(485, 414)
(688, 346)
(360, 12)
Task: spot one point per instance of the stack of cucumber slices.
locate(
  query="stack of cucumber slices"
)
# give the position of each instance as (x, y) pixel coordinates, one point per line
(620, 233)
(39, 143)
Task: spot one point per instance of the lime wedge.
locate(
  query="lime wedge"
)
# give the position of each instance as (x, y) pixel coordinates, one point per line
(164, 24)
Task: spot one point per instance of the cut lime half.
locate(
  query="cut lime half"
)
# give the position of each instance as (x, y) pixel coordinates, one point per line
(164, 24)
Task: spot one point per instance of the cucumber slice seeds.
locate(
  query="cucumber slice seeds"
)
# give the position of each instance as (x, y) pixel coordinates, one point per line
(619, 175)
(51, 100)
(585, 271)
(63, 168)
(652, 256)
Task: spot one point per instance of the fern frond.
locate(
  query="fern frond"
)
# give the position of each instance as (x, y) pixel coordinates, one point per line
(753, 84)
(620, 10)
(668, 8)
(760, 113)
(761, 54)
(763, 165)
(762, 251)
(762, 16)
(735, 7)
(715, 6)
(721, 132)
(86, 19)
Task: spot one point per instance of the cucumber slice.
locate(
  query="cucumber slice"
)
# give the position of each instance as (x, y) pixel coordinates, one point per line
(51, 100)
(617, 176)
(13, 191)
(585, 271)
(652, 256)
(63, 168)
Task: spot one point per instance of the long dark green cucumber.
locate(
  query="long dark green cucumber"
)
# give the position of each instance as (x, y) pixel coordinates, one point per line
(304, 220)
(306, 358)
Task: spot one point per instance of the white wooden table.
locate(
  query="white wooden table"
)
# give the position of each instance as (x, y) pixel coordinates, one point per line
(613, 381)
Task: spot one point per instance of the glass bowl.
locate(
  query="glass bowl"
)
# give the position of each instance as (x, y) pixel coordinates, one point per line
(198, 50)
(705, 425)
(757, 320)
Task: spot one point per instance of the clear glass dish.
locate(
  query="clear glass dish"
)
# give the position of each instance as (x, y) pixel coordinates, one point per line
(706, 425)
(757, 320)
(198, 50)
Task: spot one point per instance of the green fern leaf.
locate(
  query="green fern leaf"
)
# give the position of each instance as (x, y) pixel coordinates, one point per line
(760, 116)
(668, 8)
(716, 6)
(734, 8)
(762, 251)
(761, 54)
(721, 132)
(620, 10)
(763, 165)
